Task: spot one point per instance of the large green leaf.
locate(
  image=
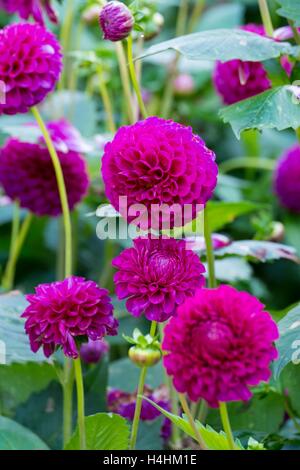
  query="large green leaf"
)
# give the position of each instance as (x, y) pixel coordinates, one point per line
(213, 440)
(19, 381)
(224, 45)
(290, 9)
(288, 344)
(13, 436)
(223, 213)
(124, 374)
(12, 332)
(104, 431)
(275, 108)
(291, 383)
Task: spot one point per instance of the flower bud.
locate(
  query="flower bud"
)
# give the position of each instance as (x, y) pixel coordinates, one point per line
(93, 351)
(116, 21)
(144, 356)
(184, 85)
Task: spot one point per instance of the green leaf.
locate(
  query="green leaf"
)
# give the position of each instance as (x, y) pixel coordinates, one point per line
(291, 383)
(221, 16)
(127, 381)
(232, 269)
(13, 436)
(275, 108)
(224, 45)
(104, 431)
(288, 344)
(290, 9)
(19, 381)
(212, 439)
(12, 334)
(259, 250)
(223, 213)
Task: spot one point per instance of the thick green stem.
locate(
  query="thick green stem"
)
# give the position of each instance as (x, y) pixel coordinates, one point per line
(188, 413)
(209, 252)
(295, 32)
(134, 79)
(80, 403)
(61, 189)
(111, 126)
(196, 13)
(139, 400)
(16, 247)
(125, 81)
(68, 381)
(266, 17)
(13, 238)
(226, 425)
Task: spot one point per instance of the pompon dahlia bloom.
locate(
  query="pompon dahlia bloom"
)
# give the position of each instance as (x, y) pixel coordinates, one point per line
(116, 21)
(287, 179)
(28, 8)
(30, 64)
(27, 174)
(236, 80)
(219, 344)
(157, 275)
(61, 311)
(155, 164)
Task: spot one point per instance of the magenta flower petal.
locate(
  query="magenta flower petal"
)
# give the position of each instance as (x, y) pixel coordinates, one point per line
(52, 306)
(287, 179)
(161, 274)
(116, 21)
(159, 163)
(30, 65)
(27, 174)
(30, 8)
(219, 344)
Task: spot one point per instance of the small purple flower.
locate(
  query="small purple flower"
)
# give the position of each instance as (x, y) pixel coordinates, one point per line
(61, 311)
(65, 137)
(156, 276)
(28, 8)
(30, 65)
(93, 351)
(287, 179)
(116, 21)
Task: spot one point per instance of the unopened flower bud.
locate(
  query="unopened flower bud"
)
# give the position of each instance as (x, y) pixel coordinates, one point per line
(144, 356)
(116, 21)
(184, 85)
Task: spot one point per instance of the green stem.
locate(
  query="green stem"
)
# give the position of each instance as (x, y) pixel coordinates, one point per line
(226, 425)
(209, 253)
(298, 133)
(9, 274)
(203, 410)
(139, 400)
(67, 385)
(61, 189)
(246, 162)
(80, 403)
(125, 81)
(111, 126)
(188, 413)
(65, 37)
(196, 13)
(14, 235)
(134, 79)
(168, 95)
(295, 32)
(266, 17)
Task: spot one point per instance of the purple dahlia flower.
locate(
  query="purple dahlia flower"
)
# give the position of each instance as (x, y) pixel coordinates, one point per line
(27, 174)
(157, 275)
(30, 65)
(237, 80)
(287, 179)
(116, 21)
(28, 8)
(219, 344)
(61, 311)
(156, 165)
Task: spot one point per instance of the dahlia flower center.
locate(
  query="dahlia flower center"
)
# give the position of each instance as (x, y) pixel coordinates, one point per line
(213, 337)
(163, 263)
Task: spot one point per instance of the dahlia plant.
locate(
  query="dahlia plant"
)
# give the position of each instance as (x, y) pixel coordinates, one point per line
(165, 315)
